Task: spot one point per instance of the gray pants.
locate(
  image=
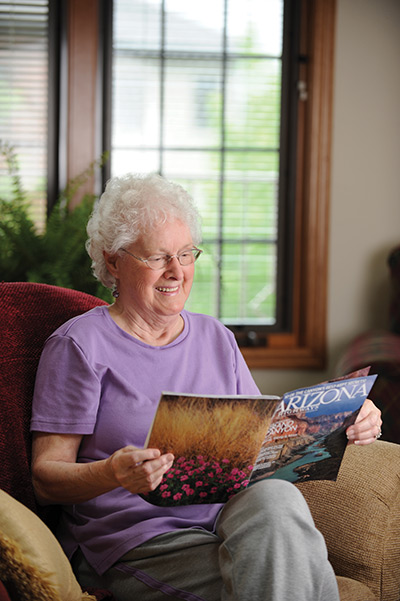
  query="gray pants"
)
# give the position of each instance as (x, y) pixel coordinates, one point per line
(266, 548)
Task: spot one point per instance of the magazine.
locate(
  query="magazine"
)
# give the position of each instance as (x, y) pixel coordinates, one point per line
(222, 444)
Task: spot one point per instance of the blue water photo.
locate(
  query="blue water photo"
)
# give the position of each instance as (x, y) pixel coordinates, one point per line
(311, 454)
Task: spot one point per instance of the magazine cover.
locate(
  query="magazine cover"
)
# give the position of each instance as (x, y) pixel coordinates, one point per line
(224, 444)
(306, 439)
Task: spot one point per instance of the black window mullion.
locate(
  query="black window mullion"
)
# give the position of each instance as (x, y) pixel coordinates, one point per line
(288, 148)
(222, 164)
(53, 108)
(162, 86)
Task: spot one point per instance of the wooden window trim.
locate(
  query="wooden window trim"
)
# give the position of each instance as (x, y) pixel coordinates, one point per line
(305, 345)
(83, 102)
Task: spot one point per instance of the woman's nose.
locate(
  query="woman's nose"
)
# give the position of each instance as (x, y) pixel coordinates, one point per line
(174, 265)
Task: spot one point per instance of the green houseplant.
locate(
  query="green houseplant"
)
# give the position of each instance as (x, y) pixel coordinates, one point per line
(57, 254)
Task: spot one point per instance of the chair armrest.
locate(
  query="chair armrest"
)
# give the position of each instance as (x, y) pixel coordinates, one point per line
(359, 516)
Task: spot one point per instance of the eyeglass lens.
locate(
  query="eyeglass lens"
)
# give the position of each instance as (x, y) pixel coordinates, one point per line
(185, 258)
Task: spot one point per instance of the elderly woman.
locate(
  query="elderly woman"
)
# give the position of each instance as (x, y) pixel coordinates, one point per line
(97, 387)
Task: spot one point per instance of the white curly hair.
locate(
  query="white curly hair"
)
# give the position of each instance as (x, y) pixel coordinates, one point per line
(129, 207)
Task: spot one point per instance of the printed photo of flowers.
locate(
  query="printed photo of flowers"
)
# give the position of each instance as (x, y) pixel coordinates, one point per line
(215, 441)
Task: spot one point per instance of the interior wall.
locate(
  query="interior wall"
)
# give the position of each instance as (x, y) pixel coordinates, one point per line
(365, 180)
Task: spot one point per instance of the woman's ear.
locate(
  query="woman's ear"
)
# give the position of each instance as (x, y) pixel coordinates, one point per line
(111, 262)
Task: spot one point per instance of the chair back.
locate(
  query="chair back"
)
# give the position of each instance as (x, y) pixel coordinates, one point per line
(29, 313)
(394, 307)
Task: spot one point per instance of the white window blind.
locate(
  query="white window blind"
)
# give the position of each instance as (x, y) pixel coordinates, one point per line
(197, 97)
(23, 95)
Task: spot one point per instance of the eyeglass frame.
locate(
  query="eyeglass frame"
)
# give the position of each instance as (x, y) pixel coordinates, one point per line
(167, 258)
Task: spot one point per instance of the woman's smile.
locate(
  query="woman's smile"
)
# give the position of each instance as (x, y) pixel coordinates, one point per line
(166, 290)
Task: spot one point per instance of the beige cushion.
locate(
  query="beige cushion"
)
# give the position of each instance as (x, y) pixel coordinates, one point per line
(31, 557)
(352, 590)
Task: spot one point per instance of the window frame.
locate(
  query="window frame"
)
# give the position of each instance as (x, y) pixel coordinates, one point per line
(304, 346)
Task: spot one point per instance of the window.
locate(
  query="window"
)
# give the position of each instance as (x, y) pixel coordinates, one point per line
(233, 100)
(24, 95)
(198, 91)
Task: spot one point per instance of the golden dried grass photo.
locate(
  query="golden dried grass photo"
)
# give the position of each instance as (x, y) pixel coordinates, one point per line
(217, 427)
(215, 442)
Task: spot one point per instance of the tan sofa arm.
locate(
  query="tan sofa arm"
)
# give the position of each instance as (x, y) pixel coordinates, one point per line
(359, 516)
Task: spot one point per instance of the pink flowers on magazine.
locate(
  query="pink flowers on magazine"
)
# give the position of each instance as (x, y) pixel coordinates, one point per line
(199, 480)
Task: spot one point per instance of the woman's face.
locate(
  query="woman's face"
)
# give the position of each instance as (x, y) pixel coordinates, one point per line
(156, 293)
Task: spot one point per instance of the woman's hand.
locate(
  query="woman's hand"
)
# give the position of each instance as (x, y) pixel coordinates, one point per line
(367, 427)
(58, 478)
(139, 470)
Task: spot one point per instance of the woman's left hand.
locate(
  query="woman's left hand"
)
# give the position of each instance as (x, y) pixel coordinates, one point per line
(367, 427)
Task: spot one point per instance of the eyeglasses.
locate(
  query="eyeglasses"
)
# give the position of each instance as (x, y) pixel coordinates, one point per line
(186, 257)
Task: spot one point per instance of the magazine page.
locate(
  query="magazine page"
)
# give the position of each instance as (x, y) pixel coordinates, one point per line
(306, 439)
(215, 441)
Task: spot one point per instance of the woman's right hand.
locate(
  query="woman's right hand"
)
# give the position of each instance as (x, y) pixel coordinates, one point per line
(139, 470)
(58, 478)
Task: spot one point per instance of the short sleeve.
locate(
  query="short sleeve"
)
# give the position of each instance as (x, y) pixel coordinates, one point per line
(245, 383)
(245, 380)
(67, 390)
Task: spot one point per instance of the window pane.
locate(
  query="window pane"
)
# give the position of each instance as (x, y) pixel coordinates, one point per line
(23, 95)
(135, 161)
(248, 273)
(251, 195)
(136, 110)
(137, 26)
(255, 27)
(199, 173)
(192, 103)
(197, 26)
(253, 96)
(197, 97)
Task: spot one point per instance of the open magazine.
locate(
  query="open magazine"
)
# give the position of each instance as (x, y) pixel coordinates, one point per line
(222, 444)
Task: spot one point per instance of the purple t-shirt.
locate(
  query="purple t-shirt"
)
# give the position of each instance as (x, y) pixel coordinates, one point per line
(95, 379)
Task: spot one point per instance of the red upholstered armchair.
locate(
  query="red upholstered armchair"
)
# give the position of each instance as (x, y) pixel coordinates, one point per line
(29, 313)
